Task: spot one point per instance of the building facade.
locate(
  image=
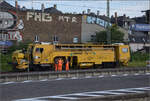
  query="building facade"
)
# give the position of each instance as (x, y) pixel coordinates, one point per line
(24, 24)
(21, 24)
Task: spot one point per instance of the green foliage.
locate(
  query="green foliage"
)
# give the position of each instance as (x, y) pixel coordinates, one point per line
(116, 35)
(101, 37)
(137, 56)
(137, 64)
(5, 59)
(19, 46)
(138, 59)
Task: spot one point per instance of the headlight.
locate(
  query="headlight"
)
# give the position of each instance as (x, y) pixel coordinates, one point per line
(36, 57)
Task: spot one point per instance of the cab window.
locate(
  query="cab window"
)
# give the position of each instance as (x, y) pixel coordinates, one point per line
(124, 50)
(39, 50)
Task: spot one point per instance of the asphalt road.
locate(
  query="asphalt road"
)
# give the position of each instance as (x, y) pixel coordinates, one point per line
(13, 91)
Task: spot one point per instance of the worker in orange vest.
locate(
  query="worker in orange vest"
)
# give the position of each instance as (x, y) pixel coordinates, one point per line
(67, 65)
(60, 63)
(56, 65)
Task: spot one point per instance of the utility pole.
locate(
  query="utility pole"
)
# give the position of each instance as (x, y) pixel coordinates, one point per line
(108, 25)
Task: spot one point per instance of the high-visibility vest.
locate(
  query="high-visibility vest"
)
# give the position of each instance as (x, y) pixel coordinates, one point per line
(67, 66)
(60, 62)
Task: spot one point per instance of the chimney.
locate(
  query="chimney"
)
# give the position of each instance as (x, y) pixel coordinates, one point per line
(98, 12)
(16, 4)
(83, 12)
(124, 17)
(116, 20)
(55, 6)
(88, 11)
(124, 20)
(42, 7)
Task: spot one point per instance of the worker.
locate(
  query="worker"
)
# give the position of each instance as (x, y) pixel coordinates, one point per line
(60, 63)
(56, 65)
(67, 65)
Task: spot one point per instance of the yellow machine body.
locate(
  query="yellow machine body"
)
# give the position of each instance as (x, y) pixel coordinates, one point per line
(78, 55)
(19, 61)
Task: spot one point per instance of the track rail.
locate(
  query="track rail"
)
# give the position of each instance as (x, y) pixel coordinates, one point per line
(22, 76)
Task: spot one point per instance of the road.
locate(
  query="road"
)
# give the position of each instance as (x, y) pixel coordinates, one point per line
(30, 89)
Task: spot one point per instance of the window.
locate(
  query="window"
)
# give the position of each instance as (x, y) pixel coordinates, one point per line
(124, 50)
(6, 22)
(55, 38)
(75, 40)
(0, 21)
(39, 50)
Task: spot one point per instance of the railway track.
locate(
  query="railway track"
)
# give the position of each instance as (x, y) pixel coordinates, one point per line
(22, 76)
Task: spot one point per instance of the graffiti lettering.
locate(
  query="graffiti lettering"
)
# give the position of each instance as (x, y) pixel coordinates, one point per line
(37, 16)
(45, 17)
(74, 19)
(11, 25)
(29, 15)
(7, 20)
(67, 19)
(94, 20)
(14, 35)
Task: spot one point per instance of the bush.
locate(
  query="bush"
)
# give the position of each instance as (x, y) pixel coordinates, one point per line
(138, 59)
(18, 46)
(137, 56)
(6, 58)
(116, 36)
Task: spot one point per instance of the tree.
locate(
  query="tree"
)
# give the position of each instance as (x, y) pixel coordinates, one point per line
(116, 36)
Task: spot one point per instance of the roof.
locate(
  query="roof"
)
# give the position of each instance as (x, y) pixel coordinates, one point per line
(146, 10)
(52, 10)
(6, 6)
(140, 20)
(121, 20)
(47, 10)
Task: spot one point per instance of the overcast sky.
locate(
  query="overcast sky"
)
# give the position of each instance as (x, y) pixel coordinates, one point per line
(131, 8)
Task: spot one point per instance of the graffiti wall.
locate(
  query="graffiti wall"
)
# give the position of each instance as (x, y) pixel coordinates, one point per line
(25, 25)
(64, 27)
(98, 21)
(10, 26)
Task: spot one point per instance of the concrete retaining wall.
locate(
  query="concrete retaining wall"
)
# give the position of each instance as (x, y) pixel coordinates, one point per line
(69, 74)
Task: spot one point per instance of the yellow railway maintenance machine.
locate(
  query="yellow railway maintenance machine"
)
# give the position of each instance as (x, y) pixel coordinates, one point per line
(42, 55)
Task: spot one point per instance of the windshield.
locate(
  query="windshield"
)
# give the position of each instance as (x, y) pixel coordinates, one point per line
(40, 50)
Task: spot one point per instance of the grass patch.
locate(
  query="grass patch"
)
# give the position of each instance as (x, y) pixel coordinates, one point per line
(137, 64)
(138, 59)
